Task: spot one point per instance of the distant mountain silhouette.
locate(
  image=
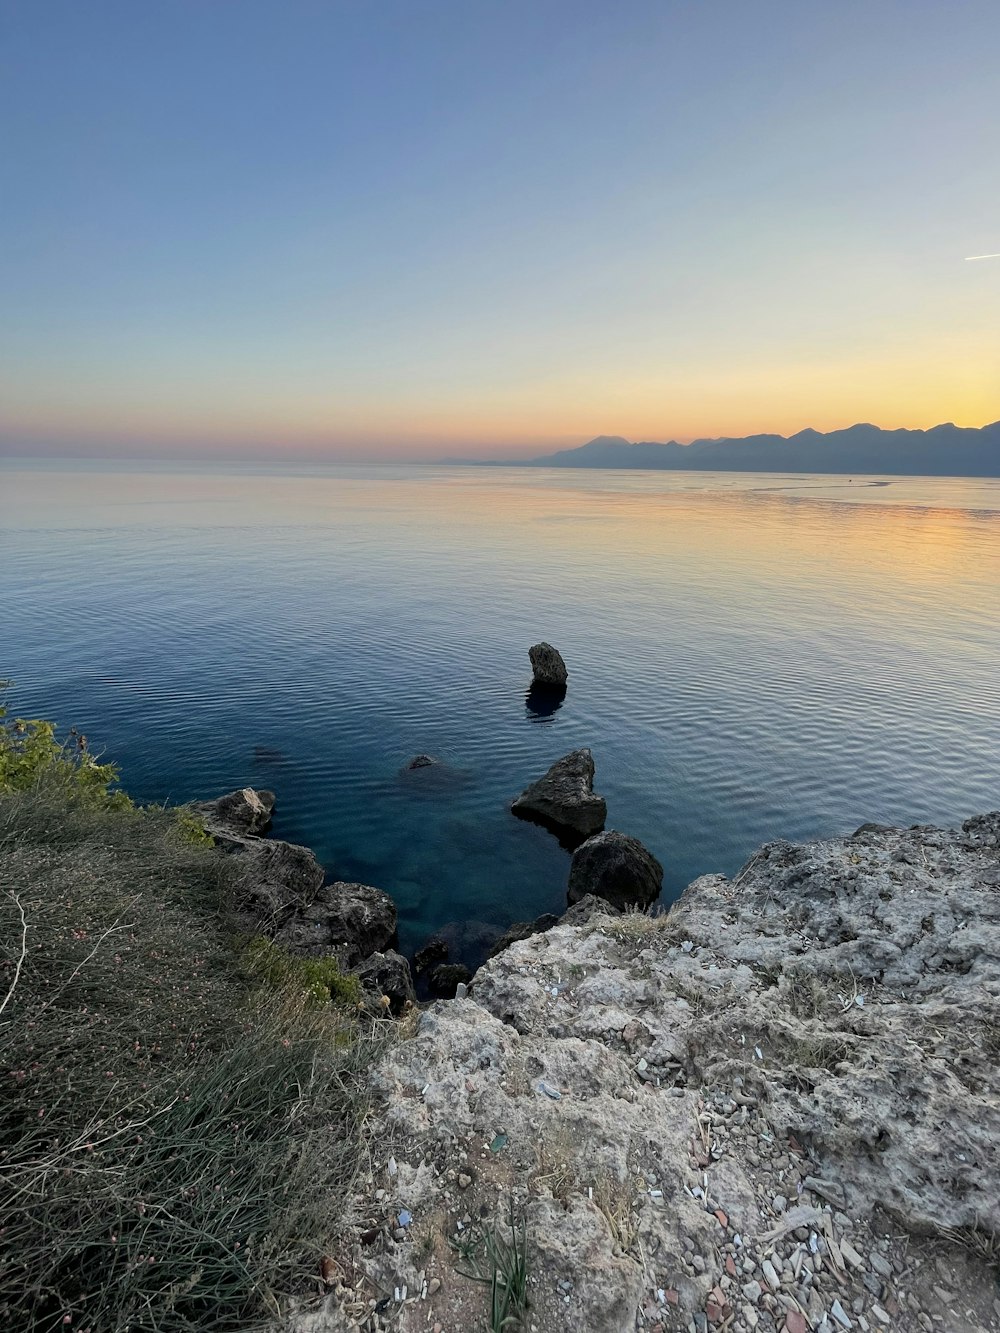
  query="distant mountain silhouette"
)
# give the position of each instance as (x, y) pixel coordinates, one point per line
(942, 451)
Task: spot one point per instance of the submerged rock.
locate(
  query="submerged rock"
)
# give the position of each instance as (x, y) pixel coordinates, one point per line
(447, 977)
(547, 665)
(420, 761)
(617, 867)
(243, 813)
(564, 797)
(351, 920)
(388, 974)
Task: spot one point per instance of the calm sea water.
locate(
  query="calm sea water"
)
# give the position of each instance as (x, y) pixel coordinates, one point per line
(750, 656)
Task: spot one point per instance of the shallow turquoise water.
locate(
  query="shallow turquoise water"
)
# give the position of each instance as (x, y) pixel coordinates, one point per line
(750, 656)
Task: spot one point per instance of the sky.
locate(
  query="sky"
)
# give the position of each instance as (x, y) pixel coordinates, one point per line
(396, 229)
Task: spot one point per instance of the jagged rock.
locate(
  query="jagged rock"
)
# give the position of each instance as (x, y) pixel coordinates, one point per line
(277, 878)
(585, 909)
(521, 930)
(446, 978)
(564, 798)
(434, 951)
(617, 867)
(828, 1018)
(351, 920)
(387, 974)
(243, 813)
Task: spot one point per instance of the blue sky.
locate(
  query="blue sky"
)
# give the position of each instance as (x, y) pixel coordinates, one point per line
(391, 230)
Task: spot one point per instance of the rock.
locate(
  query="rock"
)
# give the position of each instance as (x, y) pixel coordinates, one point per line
(388, 974)
(420, 761)
(351, 920)
(446, 977)
(547, 665)
(585, 909)
(616, 867)
(564, 797)
(243, 813)
(277, 879)
(522, 930)
(434, 951)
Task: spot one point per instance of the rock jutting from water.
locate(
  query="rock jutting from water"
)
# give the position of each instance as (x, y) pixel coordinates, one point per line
(547, 666)
(564, 797)
(242, 813)
(617, 867)
(776, 1106)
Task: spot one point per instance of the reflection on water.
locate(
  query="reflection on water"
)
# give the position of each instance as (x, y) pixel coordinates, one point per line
(749, 656)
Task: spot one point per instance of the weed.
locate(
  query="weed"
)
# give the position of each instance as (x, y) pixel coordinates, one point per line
(501, 1263)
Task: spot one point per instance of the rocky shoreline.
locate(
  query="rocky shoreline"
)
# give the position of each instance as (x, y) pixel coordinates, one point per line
(774, 1107)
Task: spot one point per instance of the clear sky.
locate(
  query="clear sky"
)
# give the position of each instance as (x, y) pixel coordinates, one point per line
(391, 228)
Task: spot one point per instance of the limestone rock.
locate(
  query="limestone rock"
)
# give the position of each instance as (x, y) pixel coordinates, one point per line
(242, 813)
(547, 665)
(388, 974)
(564, 797)
(351, 920)
(617, 867)
(520, 930)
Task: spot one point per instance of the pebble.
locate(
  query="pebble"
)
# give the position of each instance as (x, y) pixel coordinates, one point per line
(780, 1203)
(464, 1181)
(880, 1314)
(881, 1266)
(841, 1315)
(768, 1269)
(753, 1291)
(434, 1286)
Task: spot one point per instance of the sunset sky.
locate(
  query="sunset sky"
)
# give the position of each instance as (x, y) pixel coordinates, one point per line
(395, 229)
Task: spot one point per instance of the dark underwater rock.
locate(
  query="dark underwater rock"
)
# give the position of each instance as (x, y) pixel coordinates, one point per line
(564, 797)
(434, 951)
(617, 867)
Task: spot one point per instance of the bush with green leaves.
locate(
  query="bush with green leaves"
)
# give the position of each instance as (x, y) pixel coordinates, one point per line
(30, 753)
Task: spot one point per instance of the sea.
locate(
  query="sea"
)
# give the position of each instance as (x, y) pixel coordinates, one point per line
(751, 657)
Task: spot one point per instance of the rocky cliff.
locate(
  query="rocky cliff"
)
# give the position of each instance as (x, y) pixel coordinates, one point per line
(775, 1107)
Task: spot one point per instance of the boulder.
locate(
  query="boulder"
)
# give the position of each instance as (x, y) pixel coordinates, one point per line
(352, 921)
(240, 814)
(434, 951)
(277, 878)
(616, 867)
(388, 974)
(547, 665)
(522, 930)
(447, 977)
(564, 798)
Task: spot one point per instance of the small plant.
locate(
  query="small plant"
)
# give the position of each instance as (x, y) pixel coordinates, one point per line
(31, 754)
(191, 827)
(502, 1264)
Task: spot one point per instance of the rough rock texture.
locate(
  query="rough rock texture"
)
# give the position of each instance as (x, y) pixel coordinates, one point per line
(447, 977)
(521, 930)
(564, 797)
(775, 1108)
(547, 665)
(617, 867)
(244, 812)
(351, 921)
(388, 974)
(434, 951)
(279, 878)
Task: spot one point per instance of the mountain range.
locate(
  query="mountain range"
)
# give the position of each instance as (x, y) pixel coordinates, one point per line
(942, 451)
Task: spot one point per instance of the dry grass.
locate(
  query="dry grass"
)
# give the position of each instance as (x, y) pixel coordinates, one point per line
(177, 1146)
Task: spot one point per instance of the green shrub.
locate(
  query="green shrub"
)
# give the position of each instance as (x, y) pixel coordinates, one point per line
(318, 980)
(30, 753)
(178, 1142)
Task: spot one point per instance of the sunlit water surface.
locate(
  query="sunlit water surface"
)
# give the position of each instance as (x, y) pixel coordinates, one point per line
(750, 657)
